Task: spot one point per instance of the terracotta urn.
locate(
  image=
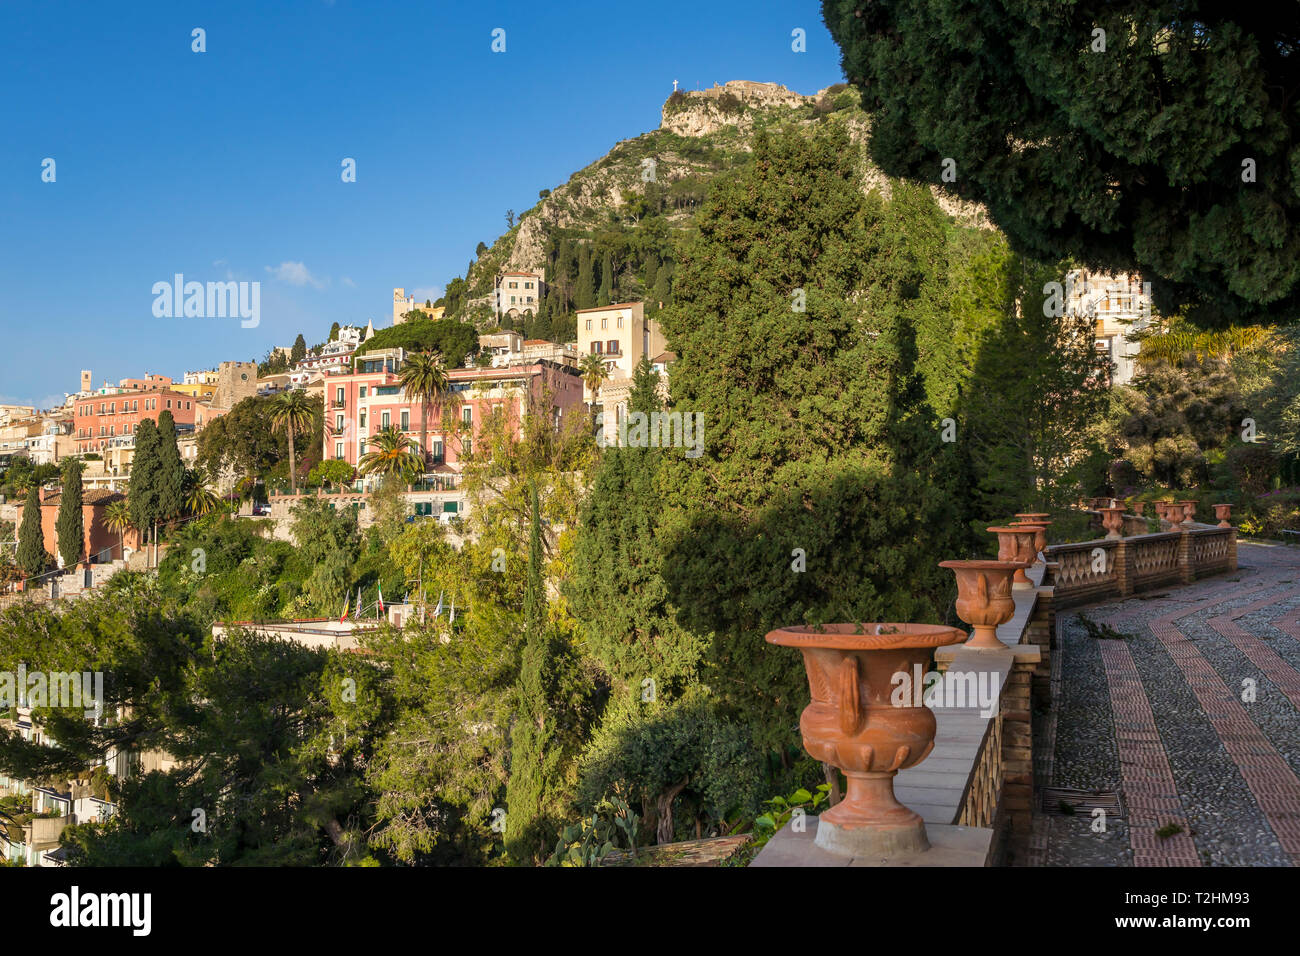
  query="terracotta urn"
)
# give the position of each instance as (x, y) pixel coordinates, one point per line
(1113, 521)
(1040, 539)
(1189, 513)
(1162, 509)
(1016, 543)
(984, 598)
(857, 723)
(1223, 513)
(1138, 507)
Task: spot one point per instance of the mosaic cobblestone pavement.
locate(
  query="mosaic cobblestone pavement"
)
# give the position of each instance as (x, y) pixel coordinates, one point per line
(1193, 716)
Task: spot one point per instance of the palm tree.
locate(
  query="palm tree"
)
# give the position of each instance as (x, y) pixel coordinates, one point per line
(594, 374)
(394, 455)
(292, 413)
(424, 377)
(200, 501)
(117, 518)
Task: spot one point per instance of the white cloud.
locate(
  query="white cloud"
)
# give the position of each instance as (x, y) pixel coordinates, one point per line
(42, 404)
(296, 273)
(348, 282)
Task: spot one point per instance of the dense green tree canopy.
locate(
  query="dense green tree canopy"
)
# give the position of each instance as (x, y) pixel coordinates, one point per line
(451, 339)
(1172, 151)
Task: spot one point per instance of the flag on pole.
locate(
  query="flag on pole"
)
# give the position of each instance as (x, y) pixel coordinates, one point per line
(452, 618)
(381, 599)
(437, 611)
(347, 598)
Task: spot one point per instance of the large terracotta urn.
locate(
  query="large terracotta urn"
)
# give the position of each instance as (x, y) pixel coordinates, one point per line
(1112, 519)
(1189, 513)
(984, 598)
(857, 723)
(1035, 518)
(1017, 543)
(1138, 507)
(1162, 509)
(1223, 513)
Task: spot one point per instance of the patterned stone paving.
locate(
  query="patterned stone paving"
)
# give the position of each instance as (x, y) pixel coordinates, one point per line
(1166, 716)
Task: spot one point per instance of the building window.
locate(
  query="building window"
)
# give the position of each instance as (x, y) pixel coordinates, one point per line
(620, 321)
(596, 347)
(363, 421)
(467, 415)
(338, 422)
(613, 346)
(406, 420)
(437, 452)
(363, 391)
(604, 323)
(338, 449)
(338, 394)
(384, 419)
(469, 447)
(589, 325)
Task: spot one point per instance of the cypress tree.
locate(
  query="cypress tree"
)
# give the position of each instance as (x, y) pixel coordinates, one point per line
(663, 286)
(606, 280)
(815, 427)
(534, 763)
(70, 527)
(31, 556)
(1101, 183)
(618, 593)
(171, 470)
(299, 350)
(584, 294)
(143, 489)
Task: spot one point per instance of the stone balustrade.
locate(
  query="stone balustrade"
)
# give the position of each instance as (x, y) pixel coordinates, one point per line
(1094, 570)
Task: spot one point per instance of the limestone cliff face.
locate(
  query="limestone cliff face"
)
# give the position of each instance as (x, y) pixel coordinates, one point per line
(736, 103)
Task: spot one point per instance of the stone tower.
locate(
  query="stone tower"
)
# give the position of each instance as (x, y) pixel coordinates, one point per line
(85, 380)
(402, 303)
(236, 381)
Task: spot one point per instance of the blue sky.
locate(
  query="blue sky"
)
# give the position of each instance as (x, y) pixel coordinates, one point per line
(226, 164)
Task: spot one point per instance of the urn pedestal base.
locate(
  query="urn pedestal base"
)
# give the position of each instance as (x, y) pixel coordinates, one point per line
(870, 821)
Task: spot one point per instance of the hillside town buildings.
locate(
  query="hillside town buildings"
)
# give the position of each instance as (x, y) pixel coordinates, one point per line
(1120, 306)
(621, 335)
(358, 405)
(518, 294)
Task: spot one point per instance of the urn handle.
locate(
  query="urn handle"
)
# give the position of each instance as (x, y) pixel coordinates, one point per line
(850, 709)
(982, 587)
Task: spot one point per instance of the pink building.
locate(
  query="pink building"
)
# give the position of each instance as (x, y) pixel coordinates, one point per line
(359, 404)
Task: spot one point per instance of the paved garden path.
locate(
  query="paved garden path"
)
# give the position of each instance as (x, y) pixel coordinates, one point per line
(1193, 717)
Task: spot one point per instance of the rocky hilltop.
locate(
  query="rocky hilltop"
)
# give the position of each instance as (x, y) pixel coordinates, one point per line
(701, 112)
(702, 134)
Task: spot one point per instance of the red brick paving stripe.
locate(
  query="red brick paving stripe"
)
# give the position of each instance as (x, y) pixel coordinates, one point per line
(1271, 781)
(1289, 624)
(1148, 780)
(1270, 663)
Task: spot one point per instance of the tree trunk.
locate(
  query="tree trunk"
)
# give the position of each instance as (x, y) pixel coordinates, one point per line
(664, 830)
(293, 481)
(424, 433)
